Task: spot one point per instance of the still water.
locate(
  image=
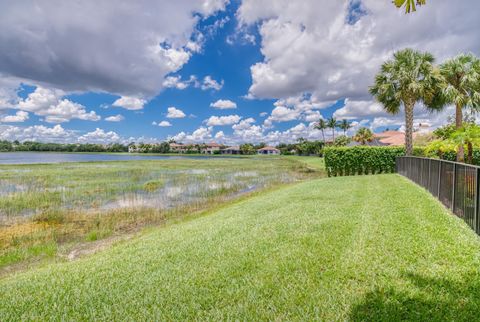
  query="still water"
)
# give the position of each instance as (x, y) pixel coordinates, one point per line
(53, 157)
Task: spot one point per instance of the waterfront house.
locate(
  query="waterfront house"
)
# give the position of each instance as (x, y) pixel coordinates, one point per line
(210, 148)
(231, 150)
(269, 150)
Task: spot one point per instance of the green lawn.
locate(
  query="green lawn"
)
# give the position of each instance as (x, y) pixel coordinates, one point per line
(349, 248)
(314, 162)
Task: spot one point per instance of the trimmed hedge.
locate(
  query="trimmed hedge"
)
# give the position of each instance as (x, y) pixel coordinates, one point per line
(361, 160)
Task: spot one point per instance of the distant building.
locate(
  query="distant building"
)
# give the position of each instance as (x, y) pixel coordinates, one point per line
(210, 148)
(268, 150)
(178, 148)
(231, 150)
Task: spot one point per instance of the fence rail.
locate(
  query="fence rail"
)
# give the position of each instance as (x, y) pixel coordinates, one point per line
(456, 185)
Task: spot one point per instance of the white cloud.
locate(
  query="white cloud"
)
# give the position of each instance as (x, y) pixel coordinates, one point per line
(224, 104)
(219, 135)
(359, 109)
(117, 47)
(222, 120)
(317, 47)
(164, 124)
(49, 103)
(37, 133)
(175, 113)
(130, 103)
(200, 135)
(115, 118)
(176, 82)
(99, 136)
(20, 116)
(210, 83)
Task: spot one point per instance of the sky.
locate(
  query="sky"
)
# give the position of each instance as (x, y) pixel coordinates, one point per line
(200, 71)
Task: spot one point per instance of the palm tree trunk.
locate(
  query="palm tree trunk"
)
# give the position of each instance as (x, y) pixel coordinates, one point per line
(323, 135)
(458, 125)
(470, 153)
(333, 134)
(409, 128)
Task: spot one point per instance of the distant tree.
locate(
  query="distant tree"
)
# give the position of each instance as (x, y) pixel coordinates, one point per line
(462, 75)
(407, 79)
(345, 126)
(332, 124)
(410, 5)
(322, 126)
(342, 140)
(248, 149)
(363, 136)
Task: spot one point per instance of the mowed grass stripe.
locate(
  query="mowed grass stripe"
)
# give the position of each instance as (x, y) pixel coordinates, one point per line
(360, 248)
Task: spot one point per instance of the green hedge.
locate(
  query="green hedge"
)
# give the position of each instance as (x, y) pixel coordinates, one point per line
(361, 160)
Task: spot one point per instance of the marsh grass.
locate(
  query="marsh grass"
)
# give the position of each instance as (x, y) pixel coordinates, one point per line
(44, 206)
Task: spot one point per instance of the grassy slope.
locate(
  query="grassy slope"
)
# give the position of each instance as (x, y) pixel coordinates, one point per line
(316, 163)
(371, 247)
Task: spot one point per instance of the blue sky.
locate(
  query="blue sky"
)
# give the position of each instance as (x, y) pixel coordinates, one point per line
(116, 72)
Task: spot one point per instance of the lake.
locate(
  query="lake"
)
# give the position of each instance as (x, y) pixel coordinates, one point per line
(58, 157)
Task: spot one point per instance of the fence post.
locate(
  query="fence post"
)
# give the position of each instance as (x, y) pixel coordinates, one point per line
(439, 178)
(453, 186)
(477, 186)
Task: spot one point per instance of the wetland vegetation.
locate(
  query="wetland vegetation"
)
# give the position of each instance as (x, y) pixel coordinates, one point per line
(50, 209)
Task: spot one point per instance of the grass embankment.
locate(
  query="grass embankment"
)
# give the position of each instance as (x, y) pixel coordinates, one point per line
(48, 209)
(360, 248)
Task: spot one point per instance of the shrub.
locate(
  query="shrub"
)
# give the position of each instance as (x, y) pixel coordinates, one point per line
(361, 160)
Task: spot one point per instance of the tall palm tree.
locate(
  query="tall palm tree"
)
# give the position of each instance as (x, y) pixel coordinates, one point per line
(345, 126)
(410, 5)
(332, 124)
(322, 126)
(462, 74)
(409, 78)
(363, 136)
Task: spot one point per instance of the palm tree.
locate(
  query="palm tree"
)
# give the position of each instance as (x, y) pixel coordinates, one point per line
(407, 79)
(462, 75)
(468, 135)
(322, 126)
(332, 124)
(345, 126)
(363, 136)
(410, 5)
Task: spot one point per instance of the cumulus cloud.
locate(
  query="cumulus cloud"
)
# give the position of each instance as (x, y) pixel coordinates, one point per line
(115, 118)
(117, 47)
(222, 120)
(175, 113)
(37, 133)
(164, 124)
(99, 136)
(200, 135)
(130, 103)
(359, 109)
(224, 104)
(50, 104)
(178, 83)
(210, 83)
(332, 50)
(20, 116)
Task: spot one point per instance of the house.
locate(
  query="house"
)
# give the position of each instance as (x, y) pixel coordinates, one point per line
(178, 148)
(397, 138)
(268, 150)
(393, 138)
(231, 150)
(211, 148)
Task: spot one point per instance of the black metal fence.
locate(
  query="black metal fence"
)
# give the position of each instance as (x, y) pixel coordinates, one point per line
(456, 185)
